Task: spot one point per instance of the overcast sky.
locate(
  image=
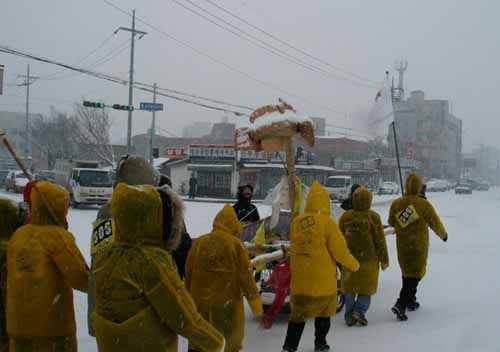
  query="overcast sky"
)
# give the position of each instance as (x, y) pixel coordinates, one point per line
(452, 46)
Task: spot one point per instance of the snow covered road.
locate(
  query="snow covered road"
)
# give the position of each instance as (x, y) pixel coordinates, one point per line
(459, 296)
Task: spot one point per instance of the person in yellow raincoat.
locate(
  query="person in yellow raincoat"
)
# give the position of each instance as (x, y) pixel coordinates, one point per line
(44, 265)
(411, 215)
(141, 302)
(11, 218)
(219, 274)
(364, 233)
(316, 247)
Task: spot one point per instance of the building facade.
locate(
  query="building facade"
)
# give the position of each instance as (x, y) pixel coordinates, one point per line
(428, 132)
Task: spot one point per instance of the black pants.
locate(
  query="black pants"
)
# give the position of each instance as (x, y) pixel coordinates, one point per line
(408, 292)
(295, 330)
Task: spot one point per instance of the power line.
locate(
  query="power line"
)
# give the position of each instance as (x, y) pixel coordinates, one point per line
(173, 91)
(79, 61)
(291, 46)
(113, 79)
(97, 63)
(220, 62)
(266, 46)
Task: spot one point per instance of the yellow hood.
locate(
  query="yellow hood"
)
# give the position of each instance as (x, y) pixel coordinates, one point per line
(227, 220)
(318, 200)
(413, 185)
(58, 200)
(11, 218)
(362, 199)
(137, 215)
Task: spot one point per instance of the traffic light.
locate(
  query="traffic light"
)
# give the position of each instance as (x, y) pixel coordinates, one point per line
(92, 104)
(123, 107)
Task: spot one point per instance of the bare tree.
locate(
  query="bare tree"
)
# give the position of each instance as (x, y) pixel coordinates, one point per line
(92, 129)
(54, 135)
(378, 148)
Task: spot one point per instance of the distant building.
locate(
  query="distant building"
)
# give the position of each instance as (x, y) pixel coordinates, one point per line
(320, 124)
(14, 125)
(197, 129)
(428, 132)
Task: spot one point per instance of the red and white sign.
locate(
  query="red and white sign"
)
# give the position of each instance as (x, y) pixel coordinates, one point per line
(176, 152)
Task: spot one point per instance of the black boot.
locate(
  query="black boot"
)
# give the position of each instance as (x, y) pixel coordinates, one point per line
(321, 327)
(293, 335)
(413, 306)
(350, 320)
(400, 311)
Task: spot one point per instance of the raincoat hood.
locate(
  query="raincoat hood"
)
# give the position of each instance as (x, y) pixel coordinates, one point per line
(362, 199)
(318, 200)
(227, 220)
(413, 185)
(58, 200)
(137, 215)
(11, 218)
(135, 170)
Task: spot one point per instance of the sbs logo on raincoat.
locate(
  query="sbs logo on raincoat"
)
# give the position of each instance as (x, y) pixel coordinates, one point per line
(407, 216)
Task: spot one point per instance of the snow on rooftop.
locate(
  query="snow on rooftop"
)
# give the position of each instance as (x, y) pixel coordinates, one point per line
(280, 166)
(275, 117)
(159, 161)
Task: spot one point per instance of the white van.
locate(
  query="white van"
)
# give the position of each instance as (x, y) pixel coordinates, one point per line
(338, 187)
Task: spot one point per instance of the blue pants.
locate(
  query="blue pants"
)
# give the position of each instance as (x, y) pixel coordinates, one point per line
(358, 303)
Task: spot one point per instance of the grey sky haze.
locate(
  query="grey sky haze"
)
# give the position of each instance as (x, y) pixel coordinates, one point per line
(453, 49)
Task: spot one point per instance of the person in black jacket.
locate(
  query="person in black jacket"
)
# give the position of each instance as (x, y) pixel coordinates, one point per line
(245, 210)
(193, 184)
(347, 203)
(171, 204)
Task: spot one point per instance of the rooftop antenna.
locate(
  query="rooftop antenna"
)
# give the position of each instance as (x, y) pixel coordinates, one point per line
(400, 66)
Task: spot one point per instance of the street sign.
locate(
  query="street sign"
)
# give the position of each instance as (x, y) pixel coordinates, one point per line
(1, 79)
(151, 106)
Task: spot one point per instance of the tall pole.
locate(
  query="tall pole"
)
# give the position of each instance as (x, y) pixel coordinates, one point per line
(28, 80)
(131, 85)
(27, 149)
(133, 33)
(396, 147)
(152, 131)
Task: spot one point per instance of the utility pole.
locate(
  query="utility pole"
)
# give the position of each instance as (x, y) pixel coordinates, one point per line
(28, 80)
(152, 130)
(133, 33)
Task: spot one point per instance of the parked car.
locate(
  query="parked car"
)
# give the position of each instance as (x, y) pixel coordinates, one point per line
(463, 188)
(3, 177)
(483, 186)
(15, 181)
(388, 188)
(45, 175)
(437, 186)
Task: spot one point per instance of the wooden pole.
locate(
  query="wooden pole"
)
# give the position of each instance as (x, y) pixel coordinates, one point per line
(292, 173)
(28, 174)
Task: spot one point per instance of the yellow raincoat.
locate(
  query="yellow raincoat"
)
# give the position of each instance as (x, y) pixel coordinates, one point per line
(141, 302)
(219, 274)
(10, 220)
(365, 238)
(44, 266)
(316, 247)
(411, 216)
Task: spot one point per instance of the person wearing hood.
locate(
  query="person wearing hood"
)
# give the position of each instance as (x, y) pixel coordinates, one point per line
(141, 302)
(347, 203)
(411, 216)
(12, 216)
(131, 170)
(219, 274)
(364, 233)
(44, 265)
(316, 247)
(245, 210)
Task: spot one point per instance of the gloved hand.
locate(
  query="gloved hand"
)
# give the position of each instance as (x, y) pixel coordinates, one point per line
(384, 266)
(445, 238)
